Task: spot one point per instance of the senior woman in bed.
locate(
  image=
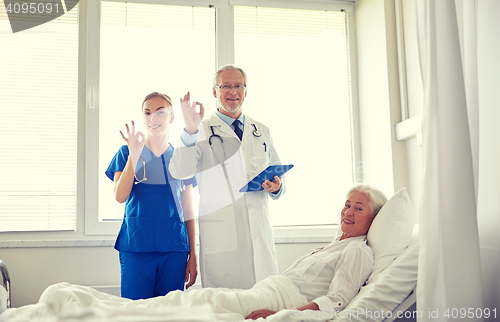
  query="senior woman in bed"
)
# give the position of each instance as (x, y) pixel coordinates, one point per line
(327, 278)
(330, 276)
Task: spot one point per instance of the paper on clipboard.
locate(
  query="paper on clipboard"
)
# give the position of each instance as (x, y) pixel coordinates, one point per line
(268, 174)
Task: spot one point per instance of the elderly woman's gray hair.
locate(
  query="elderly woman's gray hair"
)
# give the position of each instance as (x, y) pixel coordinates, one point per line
(377, 197)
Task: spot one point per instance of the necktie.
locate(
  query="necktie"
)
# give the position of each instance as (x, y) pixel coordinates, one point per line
(237, 129)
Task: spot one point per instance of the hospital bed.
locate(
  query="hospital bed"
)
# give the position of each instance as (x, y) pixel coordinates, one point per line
(5, 296)
(388, 292)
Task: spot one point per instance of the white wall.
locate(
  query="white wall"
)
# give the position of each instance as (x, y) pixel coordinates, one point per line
(400, 162)
(31, 270)
(415, 97)
(385, 159)
(412, 66)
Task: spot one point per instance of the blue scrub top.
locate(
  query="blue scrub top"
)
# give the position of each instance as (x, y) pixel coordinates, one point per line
(153, 220)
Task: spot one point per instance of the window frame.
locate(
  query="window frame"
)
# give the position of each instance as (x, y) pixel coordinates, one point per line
(88, 226)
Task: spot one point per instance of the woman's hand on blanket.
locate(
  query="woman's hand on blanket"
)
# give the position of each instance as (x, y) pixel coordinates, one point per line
(264, 313)
(191, 271)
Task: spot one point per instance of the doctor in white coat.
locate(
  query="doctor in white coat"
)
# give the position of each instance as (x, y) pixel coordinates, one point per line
(225, 152)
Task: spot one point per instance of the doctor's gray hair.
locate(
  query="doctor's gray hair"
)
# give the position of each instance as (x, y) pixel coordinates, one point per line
(377, 197)
(229, 67)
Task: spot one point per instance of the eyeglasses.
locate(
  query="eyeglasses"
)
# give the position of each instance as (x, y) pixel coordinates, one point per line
(227, 88)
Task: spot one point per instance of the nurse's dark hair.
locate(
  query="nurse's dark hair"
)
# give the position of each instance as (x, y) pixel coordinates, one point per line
(158, 94)
(377, 197)
(228, 67)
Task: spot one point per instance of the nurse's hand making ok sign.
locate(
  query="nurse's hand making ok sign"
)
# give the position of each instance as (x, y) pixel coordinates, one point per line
(191, 117)
(135, 142)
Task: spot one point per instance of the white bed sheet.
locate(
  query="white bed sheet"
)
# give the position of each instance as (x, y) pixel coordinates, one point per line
(65, 302)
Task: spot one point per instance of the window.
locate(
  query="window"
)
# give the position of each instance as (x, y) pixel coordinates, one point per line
(38, 125)
(298, 85)
(297, 64)
(146, 48)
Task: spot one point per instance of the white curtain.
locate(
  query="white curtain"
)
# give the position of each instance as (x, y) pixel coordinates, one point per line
(449, 263)
(459, 259)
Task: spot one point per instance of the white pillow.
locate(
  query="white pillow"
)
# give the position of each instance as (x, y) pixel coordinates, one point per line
(388, 289)
(391, 231)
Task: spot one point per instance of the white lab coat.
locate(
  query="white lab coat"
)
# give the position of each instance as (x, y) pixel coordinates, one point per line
(236, 237)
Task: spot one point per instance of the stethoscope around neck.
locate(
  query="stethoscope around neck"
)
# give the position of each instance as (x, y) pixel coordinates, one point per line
(143, 173)
(255, 133)
(144, 178)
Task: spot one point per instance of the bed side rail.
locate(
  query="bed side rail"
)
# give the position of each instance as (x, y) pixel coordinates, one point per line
(5, 280)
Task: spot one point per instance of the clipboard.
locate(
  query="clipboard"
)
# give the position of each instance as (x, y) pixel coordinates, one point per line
(268, 174)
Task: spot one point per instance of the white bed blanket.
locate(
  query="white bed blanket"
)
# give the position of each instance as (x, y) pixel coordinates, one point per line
(65, 302)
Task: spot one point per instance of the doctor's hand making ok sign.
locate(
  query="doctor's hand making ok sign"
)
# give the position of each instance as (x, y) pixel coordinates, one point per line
(191, 117)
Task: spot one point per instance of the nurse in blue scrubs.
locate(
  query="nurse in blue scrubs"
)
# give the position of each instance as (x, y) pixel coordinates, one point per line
(156, 242)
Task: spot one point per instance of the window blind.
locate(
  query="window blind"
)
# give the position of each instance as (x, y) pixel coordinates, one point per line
(38, 124)
(283, 21)
(298, 85)
(129, 14)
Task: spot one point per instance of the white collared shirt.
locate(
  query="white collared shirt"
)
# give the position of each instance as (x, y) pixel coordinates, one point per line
(331, 276)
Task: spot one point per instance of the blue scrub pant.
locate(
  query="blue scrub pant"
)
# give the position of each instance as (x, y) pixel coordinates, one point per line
(145, 275)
